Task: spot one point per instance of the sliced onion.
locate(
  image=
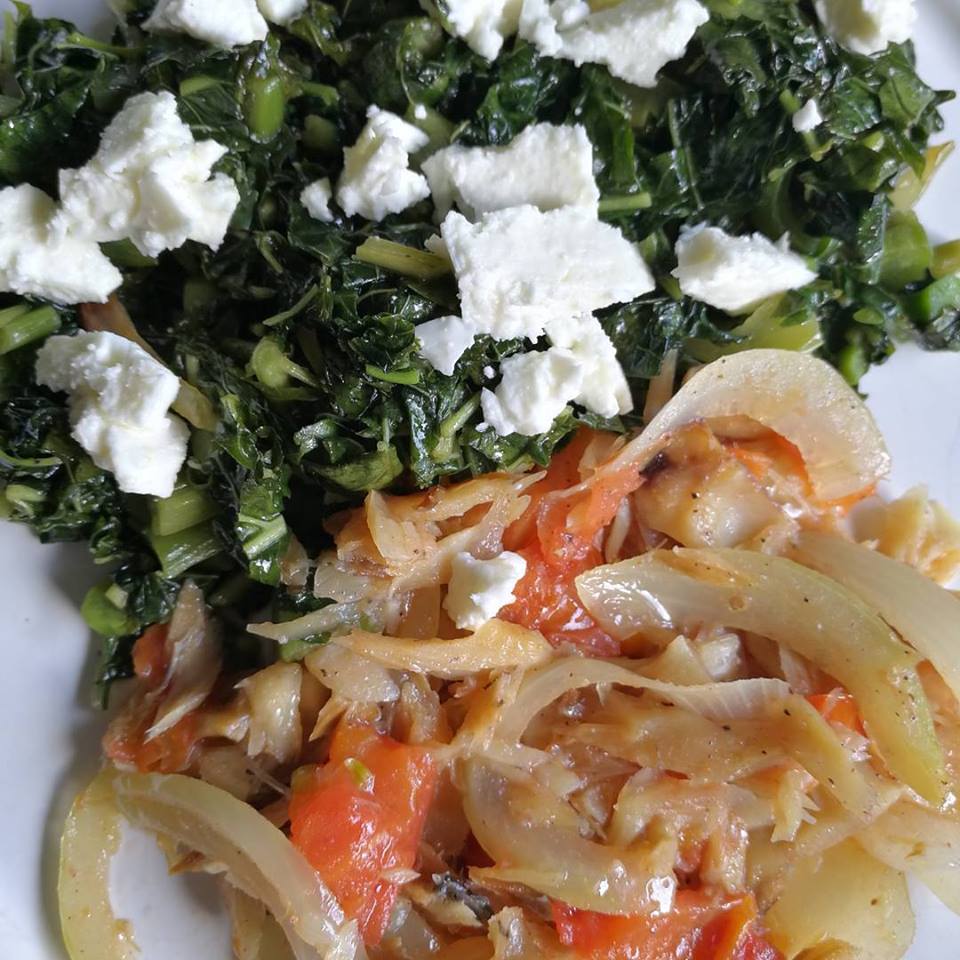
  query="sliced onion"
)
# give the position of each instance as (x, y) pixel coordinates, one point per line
(497, 645)
(326, 620)
(796, 607)
(193, 654)
(247, 921)
(91, 837)
(533, 845)
(259, 859)
(797, 396)
(920, 841)
(926, 615)
(846, 896)
(733, 700)
(349, 677)
(274, 697)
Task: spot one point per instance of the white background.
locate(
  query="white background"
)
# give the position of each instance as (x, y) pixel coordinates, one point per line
(49, 735)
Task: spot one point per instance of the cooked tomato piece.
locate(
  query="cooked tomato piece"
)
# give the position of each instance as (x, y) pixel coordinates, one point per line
(563, 473)
(150, 655)
(547, 600)
(360, 817)
(839, 707)
(701, 926)
(125, 743)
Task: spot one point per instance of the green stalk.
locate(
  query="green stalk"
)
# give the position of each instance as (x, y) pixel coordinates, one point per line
(301, 304)
(435, 125)
(321, 135)
(11, 313)
(184, 508)
(273, 368)
(946, 260)
(22, 498)
(937, 298)
(197, 84)
(88, 43)
(906, 251)
(123, 253)
(27, 328)
(269, 535)
(42, 466)
(264, 106)
(405, 377)
(322, 91)
(625, 203)
(179, 552)
(399, 258)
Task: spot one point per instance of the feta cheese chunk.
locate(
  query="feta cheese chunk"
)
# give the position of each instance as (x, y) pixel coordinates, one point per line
(150, 181)
(282, 11)
(634, 39)
(119, 402)
(223, 23)
(736, 273)
(808, 117)
(482, 24)
(143, 460)
(605, 390)
(533, 391)
(35, 261)
(443, 341)
(377, 179)
(480, 589)
(316, 198)
(519, 268)
(867, 26)
(547, 166)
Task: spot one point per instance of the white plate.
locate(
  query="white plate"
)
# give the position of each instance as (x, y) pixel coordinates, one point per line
(49, 735)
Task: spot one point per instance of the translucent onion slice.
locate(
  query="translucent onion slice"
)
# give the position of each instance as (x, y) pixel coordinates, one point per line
(91, 837)
(533, 846)
(920, 841)
(497, 645)
(848, 897)
(778, 720)
(797, 396)
(259, 859)
(734, 700)
(796, 607)
(926, 615)
(193, 653)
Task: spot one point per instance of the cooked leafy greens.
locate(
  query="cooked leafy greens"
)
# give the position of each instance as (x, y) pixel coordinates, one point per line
(301, 334)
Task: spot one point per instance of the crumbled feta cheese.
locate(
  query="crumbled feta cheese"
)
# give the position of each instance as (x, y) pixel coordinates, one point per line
(480, 589)
(143, 460)
(808, 117)
(376, 178)
(119, 402)
(127, 382)
(150, 181)
(519, 268)
(547, 166)
(605, 390)
(533, 391)
(36, 261)
(316, 198)
(443, 341)
(224, 23)
(282, 11)
(867, 26)
(633, 39)
(420, 112)
(489, 373)
(482, 24)
(736, 273)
